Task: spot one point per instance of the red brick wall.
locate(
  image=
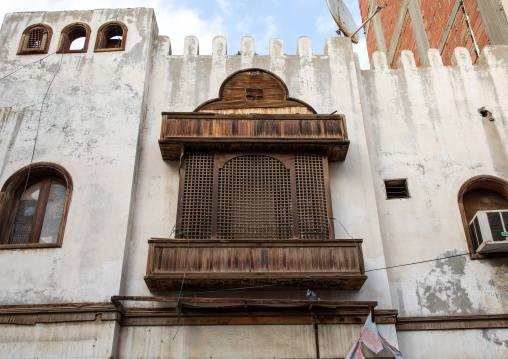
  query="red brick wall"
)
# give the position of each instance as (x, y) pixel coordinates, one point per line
(435, 17)
(364, 9)
(371, 42)
(460, 34)
(389, 18)
(371, 38)
(406, 42)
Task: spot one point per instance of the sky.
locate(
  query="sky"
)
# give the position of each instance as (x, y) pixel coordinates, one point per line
(260, 19)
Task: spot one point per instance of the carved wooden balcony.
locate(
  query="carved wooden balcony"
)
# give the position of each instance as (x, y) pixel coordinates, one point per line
(200, 131)
(216, 264)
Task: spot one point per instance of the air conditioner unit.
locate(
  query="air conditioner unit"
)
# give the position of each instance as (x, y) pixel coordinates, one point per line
(489, 231)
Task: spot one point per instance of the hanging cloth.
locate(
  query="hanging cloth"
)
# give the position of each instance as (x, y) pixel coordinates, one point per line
(373, 340)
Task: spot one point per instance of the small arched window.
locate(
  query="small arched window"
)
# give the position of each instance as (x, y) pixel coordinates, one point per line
(74, 38)
(484, 198)
(35, 40)
(33, 212)
(111, 37)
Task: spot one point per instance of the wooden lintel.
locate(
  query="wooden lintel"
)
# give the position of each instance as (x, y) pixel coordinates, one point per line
(256, 312)
(453, 322)
(340, 303)
(251, 116)
(258, 242)
(173, 148)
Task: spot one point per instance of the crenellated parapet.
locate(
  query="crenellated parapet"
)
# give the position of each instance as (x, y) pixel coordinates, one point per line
(491, 56)
(247, 49)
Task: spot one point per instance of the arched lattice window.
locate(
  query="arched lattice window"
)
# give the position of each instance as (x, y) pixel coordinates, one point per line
(35, 40)
(483, 198)
(33, 212)
(111, 36)
(74, 38)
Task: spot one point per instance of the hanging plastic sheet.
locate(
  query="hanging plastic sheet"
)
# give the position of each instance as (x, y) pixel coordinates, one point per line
(373, 340)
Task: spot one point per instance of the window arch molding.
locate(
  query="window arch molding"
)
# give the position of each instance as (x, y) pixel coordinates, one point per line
(53, 186)
(486, 183)
(106, 35)
(35, 39)
(73, 32)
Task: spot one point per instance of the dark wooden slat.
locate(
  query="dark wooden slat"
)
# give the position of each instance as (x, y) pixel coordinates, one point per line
(230, 264)
(196, 131)
(252, 127)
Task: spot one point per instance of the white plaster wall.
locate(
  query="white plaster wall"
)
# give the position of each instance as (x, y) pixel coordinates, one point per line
(327, 82)
(239, 341)
(422, 124)
(89, 125)
(59, 340)
(455, 344)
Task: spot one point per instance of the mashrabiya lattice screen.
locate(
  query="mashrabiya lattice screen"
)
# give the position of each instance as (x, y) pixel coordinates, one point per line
(257, 197)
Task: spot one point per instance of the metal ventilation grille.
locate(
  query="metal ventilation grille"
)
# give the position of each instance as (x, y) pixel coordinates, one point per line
(196, 215)
(476, 234)
(311, 194)
(254, 199)
(35, 39)
(396, 188)
(496, 226)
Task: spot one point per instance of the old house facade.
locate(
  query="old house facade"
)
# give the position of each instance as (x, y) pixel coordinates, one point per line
(180, 206)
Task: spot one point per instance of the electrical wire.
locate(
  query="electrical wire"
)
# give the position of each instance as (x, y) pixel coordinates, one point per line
(31, 63)
(39, 122)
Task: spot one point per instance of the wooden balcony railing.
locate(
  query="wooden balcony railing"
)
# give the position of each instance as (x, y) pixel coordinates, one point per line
(196, 131)
(215, 264)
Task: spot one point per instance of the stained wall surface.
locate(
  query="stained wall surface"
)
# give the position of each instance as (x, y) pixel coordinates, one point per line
(59, 340)
(89, 124)
(423, 124)
(242, 342)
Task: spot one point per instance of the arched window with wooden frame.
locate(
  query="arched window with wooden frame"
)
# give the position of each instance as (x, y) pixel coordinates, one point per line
(483, 205)
(111, 36)
(74, 38)
(35, 40)
(33, 207)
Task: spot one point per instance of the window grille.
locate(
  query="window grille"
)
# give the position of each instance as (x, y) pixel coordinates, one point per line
(197, 197)
(313, 220)
(35, 39)
(254, 199)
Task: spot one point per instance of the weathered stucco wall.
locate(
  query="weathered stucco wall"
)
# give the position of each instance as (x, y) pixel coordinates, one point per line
(423, 124)
(89, 124)
(59, 340)
(241, 342)
(455, 344)
(326, 82)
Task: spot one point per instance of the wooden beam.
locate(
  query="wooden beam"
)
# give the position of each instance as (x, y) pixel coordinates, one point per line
(337, 303)
(453, 322)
